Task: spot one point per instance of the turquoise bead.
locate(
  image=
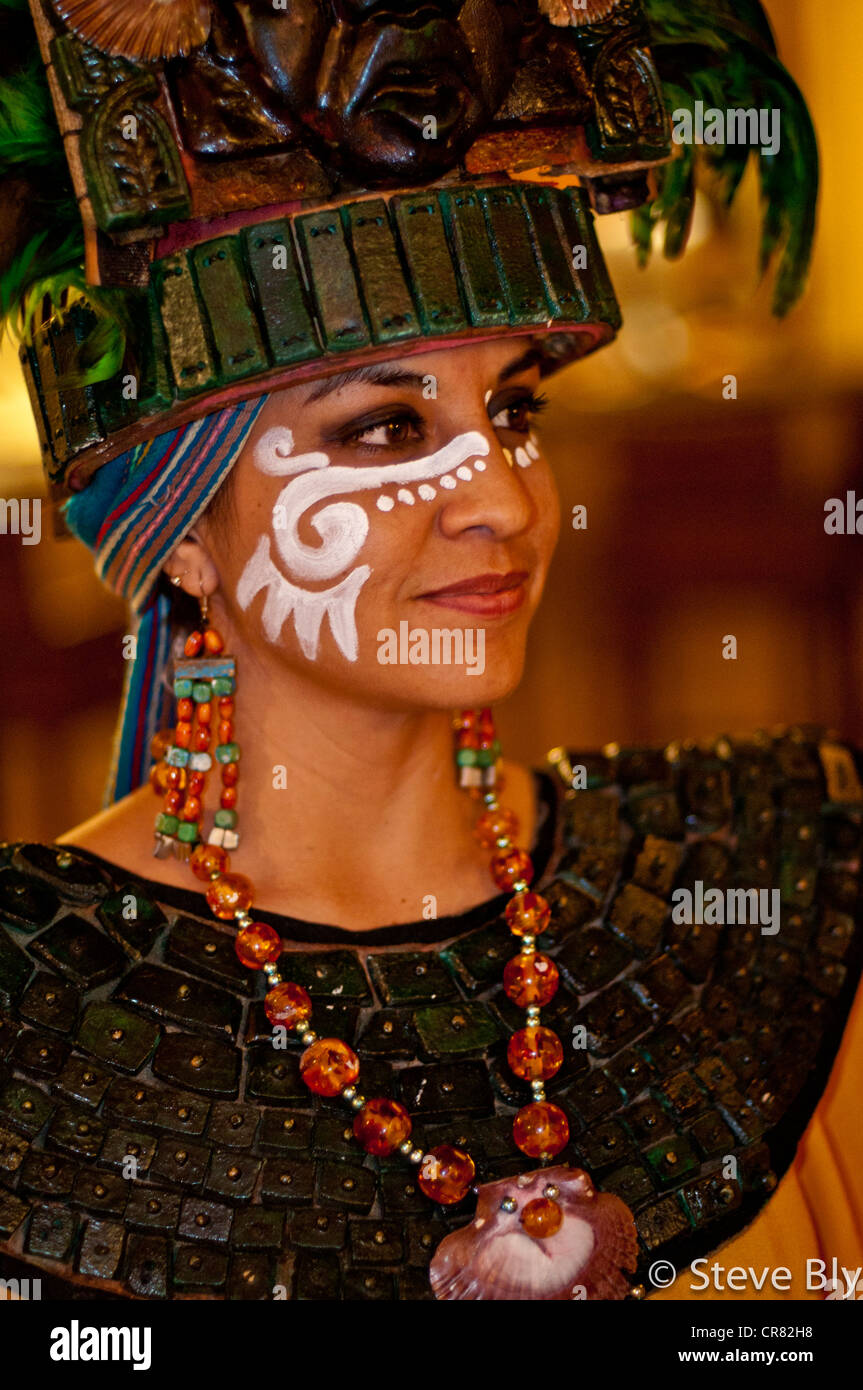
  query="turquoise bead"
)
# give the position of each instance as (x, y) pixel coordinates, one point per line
(228, 753)
(226, 820)
(466, 757)
(223, 685)
(204, 668)
(177, 757)
(182, 689)
(165, 824)
(201, 692)
(187, 832)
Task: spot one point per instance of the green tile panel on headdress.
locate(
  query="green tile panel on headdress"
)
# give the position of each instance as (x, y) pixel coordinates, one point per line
(303, 294)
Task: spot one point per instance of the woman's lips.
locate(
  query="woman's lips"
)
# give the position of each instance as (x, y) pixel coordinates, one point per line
(485, 595)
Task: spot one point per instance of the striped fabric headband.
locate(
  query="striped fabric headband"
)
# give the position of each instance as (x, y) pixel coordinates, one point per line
(132, 515)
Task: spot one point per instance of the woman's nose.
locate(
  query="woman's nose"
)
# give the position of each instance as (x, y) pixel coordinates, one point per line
(496, 496)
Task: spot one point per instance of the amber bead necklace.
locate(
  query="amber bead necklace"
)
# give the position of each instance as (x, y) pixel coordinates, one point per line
(328, 1066)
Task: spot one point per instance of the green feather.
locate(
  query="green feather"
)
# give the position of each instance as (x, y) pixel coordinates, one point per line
(42, 271)
(28, 129)
(724, 54)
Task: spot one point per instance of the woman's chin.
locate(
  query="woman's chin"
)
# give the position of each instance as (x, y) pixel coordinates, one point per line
(422, 668)
(464, 687)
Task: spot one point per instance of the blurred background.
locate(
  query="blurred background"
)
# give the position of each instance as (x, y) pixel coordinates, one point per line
(705, 516)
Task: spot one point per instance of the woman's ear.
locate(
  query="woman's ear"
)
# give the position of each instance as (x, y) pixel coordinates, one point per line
(191, 569)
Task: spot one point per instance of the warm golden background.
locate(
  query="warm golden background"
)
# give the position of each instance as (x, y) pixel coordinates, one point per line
(705, 517)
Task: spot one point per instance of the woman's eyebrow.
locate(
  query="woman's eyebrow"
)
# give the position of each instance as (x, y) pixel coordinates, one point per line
(375, 375)
(382, 374)
(521, 364)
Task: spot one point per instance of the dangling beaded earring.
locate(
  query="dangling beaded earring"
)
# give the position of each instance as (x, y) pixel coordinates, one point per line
(204, 686)
(477, 750)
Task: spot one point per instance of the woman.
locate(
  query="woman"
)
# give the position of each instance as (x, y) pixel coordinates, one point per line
(551, 1091)
(383, 730)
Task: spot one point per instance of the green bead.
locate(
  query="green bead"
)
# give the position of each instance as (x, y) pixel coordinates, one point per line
(485, 757)
(165, 824)
(466, 757)
(228, 752)
(177, 757)
(182, 689)
(187, 832)
(226, 820)
(223, 685)
(201, 692)
(495, 748)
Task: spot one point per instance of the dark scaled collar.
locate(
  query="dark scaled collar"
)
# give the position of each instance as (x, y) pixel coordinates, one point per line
(127, 1029)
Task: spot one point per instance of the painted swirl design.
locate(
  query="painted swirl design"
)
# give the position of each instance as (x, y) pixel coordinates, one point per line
(342, 526)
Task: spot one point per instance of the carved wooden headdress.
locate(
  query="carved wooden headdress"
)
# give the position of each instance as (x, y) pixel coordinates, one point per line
(272, 189)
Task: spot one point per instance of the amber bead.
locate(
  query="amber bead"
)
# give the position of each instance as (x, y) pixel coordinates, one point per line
(185, 709)
(496, 825)
(381, 1126)
(541, 1129)
(465, 719)
(194, 643)
(175, 778)
(201, 739)
(208, 860)
(159, 745)
(230, 774)
(196, 783)
(183, 733)
(286, 1005)
(226, 706)
(508, 866)
(328, 1066)
(530, 980)
(468, 738)
(542, 1218)
(160, 779)
(214, 642)
(226, 731)
(527, 914)
(535, 1054)
(258, 944)
(228, 798)
(173, 802)
(192, 808)
(205, 712)
(446, 1175)
(230, 894)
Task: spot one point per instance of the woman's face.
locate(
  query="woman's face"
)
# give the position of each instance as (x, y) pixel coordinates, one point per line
(392, 527)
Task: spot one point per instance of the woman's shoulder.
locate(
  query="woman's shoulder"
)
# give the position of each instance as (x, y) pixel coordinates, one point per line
(760, 834)
(122, 835)
(709, 772)
(779, 798)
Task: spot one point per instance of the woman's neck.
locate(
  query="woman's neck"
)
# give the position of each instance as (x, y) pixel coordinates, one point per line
(348, 814)
(347, 810)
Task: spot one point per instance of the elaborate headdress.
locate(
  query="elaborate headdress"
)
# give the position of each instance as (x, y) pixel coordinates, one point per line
(207, 199)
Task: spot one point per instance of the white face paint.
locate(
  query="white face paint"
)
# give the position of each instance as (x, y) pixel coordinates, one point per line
(342, 526)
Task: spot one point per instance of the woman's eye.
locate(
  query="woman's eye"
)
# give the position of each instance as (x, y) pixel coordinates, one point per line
(392, 433)
(518, 414)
